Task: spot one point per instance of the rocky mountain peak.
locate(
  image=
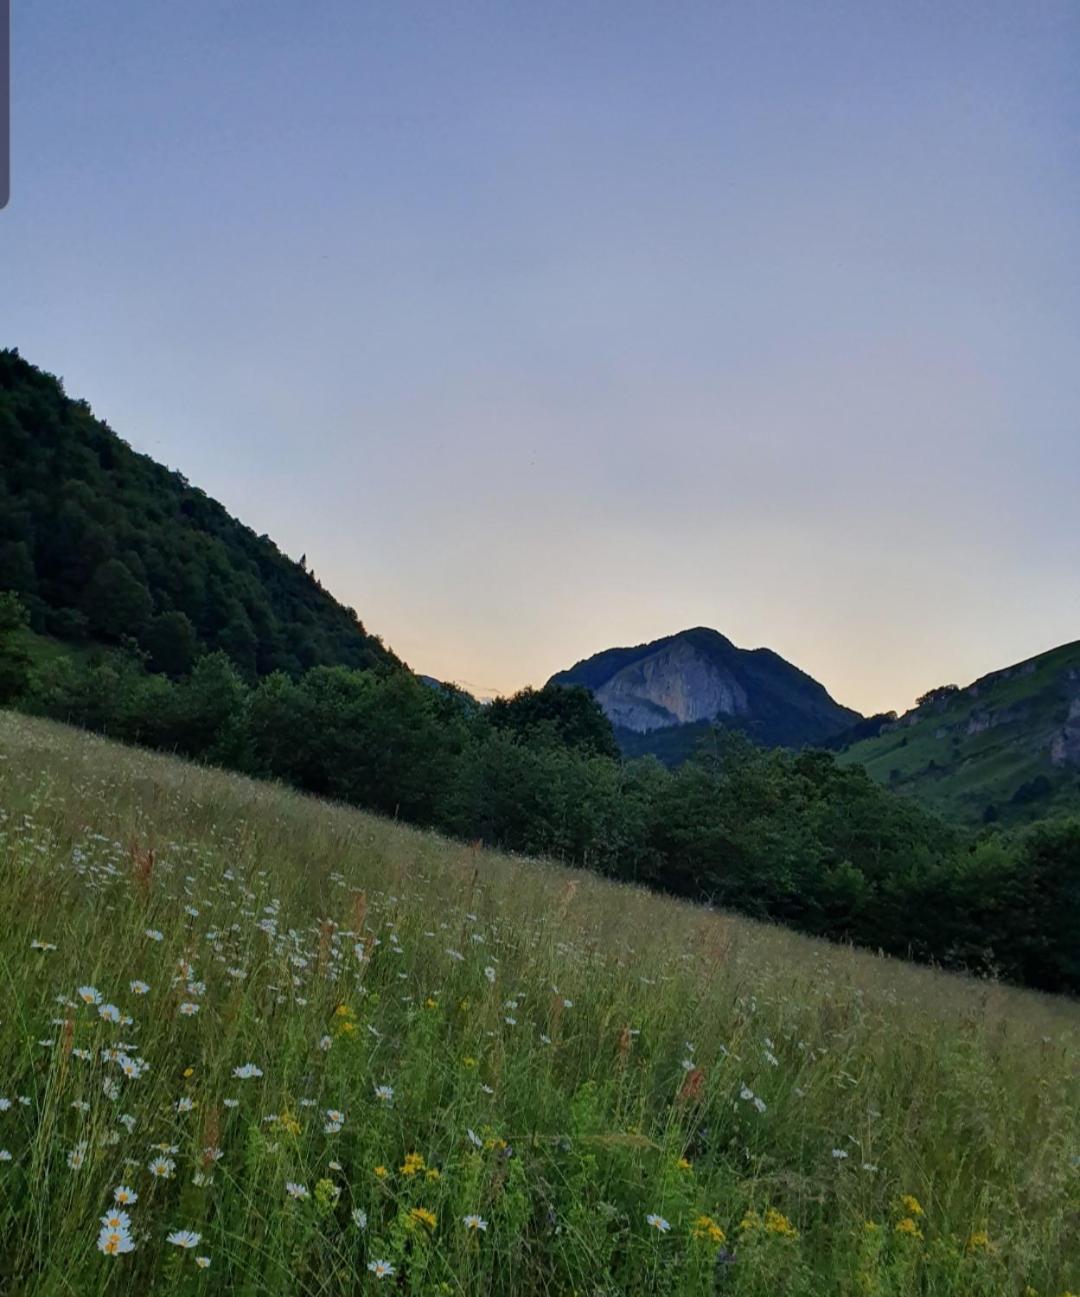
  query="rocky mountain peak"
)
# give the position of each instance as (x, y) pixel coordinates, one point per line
(697, 677)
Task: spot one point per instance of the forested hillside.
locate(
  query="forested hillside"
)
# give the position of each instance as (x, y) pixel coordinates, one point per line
(102, 543)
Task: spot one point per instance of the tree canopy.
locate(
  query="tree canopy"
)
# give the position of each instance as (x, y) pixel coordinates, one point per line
(99, 541)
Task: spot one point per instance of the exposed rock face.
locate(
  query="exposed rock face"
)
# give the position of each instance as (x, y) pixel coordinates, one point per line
(699, 676)
(1065, 745)
(981, 721)
(674, 686)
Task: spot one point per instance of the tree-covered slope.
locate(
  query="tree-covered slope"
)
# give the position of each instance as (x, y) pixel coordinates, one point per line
(663, 697)
(103, 543)
(1004, 748)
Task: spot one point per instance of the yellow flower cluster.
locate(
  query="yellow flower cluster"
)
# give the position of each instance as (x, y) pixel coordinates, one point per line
(708, 1230)
(420, 1216)
(775, 1222)
(344, 1021)
(413, 1163)
(908, 1224)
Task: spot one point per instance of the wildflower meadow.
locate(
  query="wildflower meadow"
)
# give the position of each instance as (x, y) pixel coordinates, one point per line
(254, 1043)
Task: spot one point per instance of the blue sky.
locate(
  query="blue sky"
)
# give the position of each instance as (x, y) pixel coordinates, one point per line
(546, 327)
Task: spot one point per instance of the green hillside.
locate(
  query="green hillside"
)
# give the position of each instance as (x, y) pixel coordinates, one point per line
(104, 545)
(1006, 748)
(348, 1057)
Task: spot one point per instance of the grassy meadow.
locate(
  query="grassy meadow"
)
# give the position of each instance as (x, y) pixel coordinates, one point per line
(254, 1043)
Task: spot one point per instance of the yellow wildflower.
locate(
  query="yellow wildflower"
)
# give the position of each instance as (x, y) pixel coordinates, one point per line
(907, 1226)
(777, 1223)
(346, 1020)
(287, 1122)
(911, 1205)
(707, 1229)
(381, 1173)
(413, 1162)
(421, 1216)
(979, 1241)
(684, 1164)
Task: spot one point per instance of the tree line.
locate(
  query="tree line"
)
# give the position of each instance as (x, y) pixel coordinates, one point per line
(776, 834)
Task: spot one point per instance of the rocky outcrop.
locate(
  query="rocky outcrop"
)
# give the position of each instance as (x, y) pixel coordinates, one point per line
(675, 686)
(1065, 745)
(699, 676)
(987, 719)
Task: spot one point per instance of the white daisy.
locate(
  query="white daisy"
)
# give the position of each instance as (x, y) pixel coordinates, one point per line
(184, 1238)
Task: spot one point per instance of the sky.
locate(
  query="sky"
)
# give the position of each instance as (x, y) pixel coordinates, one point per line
(546, 327)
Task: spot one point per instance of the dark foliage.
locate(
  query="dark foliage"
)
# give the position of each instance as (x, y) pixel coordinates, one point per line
(867, 728)
(939, 695)
(14, 659)
(100, 541)
(568, 714)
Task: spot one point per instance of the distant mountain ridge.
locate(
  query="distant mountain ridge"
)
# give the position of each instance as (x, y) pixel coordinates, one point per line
(1004, 748)
(663, 696)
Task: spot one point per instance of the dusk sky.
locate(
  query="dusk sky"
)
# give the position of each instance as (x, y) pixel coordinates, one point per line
(543, 327)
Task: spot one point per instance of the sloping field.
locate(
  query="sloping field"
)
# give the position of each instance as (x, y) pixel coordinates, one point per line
(334, 1055)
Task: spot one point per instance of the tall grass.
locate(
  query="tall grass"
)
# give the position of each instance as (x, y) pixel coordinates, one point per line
(569, 1061)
